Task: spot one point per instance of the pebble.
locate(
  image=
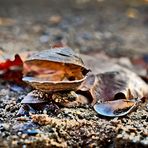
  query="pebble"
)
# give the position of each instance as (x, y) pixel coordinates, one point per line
(145, 141)
(32, 132)
(44, 39)
(4, 92)
(55, 19)
(37, 28)
(6, 126)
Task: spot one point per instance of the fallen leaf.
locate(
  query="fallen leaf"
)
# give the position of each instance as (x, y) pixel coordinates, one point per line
(89, 88)
(111, 81)
(12, 70)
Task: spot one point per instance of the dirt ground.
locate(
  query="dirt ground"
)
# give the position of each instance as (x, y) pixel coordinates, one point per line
(118, 28)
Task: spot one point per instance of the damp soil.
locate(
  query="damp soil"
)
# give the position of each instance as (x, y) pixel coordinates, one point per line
(70, 127)
(118, 28)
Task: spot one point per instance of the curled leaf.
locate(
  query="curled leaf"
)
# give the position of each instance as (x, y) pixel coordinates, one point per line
(120, 85)
(115, 108)
(111, 82)
(89, 88)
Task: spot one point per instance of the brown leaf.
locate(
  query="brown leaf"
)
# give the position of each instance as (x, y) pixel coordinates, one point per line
(89, 88)
(112, 81)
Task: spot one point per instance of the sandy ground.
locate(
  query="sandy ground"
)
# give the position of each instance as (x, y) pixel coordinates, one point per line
(118, 28)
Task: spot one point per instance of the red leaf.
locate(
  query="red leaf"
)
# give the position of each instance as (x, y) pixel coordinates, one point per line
(12, 70)
(8, 63)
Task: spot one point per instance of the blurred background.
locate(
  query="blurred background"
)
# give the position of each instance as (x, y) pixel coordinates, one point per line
(118, 28)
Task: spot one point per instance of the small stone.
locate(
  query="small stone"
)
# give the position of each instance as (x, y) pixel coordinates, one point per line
(44, 111)
(32, 132)
(24, 136)
(44, 38)
(55, 19)
(19, 133)
(14, 137)
(135, 139)
(14, 143)
(119, 136)
(145, 141)
(6, 126)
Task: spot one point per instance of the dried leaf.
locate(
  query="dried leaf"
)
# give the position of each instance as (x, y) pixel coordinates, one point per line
(89, 88)
(8, 64)
(12, 70)
(99, 65)
(112, 82)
